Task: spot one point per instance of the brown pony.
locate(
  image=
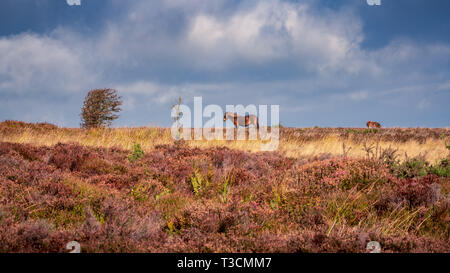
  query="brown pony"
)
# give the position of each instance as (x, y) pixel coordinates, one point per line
(373, 124)
(242, 121)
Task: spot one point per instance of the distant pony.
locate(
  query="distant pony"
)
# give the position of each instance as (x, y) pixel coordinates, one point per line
(373, 124)
(242, 121)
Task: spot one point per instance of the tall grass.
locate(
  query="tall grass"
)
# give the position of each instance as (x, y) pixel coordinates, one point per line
(430, 143)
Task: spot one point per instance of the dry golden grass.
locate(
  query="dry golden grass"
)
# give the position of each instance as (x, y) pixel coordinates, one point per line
(430, 143)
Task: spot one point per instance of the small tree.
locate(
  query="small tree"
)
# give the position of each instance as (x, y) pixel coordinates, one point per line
(99, 108)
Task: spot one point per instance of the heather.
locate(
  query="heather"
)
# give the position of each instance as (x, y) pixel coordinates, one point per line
(179, 198)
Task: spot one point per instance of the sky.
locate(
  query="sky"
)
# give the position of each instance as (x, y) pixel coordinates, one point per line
(326, 63)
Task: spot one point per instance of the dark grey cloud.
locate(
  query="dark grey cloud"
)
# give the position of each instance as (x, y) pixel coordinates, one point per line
(309, 57)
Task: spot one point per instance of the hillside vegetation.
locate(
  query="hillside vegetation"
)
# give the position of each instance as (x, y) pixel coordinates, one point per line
(135, 190)
(294, 142)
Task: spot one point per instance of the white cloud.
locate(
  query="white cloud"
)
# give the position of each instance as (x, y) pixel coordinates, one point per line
(147, 52)
(140, 88)
(273, 30)
(33, 63)
(360, 95)
(161, 93)
(257, 33)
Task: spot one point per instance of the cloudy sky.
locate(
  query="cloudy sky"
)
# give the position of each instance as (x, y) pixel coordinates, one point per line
(328, 63)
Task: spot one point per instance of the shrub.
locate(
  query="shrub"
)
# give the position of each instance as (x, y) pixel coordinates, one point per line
(370, 131)
(418, 191)
(412, 167)
(99, 108)
(442, 169)
(137, 153)
(70, 157)
(198, 182)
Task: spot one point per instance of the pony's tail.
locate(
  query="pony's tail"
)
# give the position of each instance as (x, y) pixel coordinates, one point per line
(257, 123)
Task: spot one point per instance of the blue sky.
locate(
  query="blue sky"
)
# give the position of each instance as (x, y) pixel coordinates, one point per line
(328, 63)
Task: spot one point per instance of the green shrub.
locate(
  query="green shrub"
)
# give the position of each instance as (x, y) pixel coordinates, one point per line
(226, 187)
(442, 170)
(137, 153)
(418, 167)
(197, 182)
(140, 192)
(411, 167)
(370, 131)
(353, 131)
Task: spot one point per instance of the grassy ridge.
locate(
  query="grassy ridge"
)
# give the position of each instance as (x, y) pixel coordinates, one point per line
(353, 142)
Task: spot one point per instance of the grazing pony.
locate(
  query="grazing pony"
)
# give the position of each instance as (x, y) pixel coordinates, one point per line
(242, 121)
(373, 124)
